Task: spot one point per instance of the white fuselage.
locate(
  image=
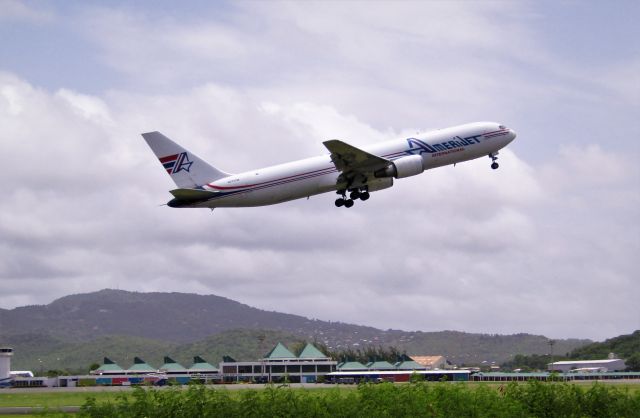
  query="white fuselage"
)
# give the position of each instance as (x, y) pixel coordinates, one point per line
(317, 175)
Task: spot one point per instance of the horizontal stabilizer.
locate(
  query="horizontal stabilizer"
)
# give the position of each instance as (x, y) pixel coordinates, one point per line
(192, 195)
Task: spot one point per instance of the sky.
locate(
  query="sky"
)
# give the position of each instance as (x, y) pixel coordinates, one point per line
(548, 244)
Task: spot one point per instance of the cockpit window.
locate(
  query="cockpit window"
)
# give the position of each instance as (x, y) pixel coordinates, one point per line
(502, 127)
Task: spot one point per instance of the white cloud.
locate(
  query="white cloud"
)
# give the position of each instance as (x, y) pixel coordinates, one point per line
(535, 246)
(88, 107)
(444, 245)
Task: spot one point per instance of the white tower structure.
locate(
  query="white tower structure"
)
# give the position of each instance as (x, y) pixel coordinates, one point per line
(5, 363)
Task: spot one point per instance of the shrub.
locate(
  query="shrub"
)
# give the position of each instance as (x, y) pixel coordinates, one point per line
(417, 399)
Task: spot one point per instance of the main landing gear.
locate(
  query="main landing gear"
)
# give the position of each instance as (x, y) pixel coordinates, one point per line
(494, 164)
(354, 194)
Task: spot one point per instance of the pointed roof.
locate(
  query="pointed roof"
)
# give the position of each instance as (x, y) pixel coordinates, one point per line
(108, 366)
(430, 361)
(280, 352)
(352, 365)
(380, 365)
(140, 365)
(404, 357)
(410, 365)
(200, 365)
(310, 351)
(171, 366)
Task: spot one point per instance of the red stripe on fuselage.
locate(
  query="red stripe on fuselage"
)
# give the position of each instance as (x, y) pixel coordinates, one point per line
(269, 181)
(495, 132)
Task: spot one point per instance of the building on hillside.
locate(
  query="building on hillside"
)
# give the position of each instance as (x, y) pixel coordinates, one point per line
(278, 364)
(606, 365)
(431, 362)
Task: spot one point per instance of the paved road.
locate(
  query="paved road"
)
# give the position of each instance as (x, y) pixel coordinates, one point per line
(127, 388)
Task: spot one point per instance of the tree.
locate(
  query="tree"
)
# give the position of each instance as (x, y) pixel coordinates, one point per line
(297, 347)
(633, 362)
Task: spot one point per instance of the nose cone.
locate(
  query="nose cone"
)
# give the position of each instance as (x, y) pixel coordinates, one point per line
(512, 134)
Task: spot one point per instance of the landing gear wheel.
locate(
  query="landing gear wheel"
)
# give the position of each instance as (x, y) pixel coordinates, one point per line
(355, 195)
(364, 196)
(493, 157)
(348, 203)
(340, 202)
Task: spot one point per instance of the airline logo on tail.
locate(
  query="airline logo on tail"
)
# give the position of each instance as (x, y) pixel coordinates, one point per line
(176, 163)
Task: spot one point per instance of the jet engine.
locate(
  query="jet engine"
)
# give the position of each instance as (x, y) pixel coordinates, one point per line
(402, 167)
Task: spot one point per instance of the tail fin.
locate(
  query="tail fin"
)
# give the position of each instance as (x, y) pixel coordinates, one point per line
(185, 168)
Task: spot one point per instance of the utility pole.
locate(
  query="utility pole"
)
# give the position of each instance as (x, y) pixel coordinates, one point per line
(551, 344)
(261, 339)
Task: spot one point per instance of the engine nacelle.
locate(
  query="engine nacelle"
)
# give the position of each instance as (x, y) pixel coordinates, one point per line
(402, 167)
(379, 184)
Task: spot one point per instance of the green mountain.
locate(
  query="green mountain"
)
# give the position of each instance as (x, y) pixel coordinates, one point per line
(466, 348)
(623, 346)
(626, 347)
(39, 354)
(75, 331)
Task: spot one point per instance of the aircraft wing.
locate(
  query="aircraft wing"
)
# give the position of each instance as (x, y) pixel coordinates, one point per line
(350, 159)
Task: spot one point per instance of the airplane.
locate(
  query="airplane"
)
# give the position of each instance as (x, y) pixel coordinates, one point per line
(352, 172)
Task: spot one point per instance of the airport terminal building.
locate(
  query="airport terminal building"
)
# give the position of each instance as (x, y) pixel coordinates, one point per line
(311, 366)
(280, 364)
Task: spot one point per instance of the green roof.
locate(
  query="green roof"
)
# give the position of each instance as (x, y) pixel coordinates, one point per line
(140, 365)
(108, 366)
(410, 365)
(171, 366)
(352, 365)
(203, 367)
(200, 364)
(311, 351)
(380, 365)
(280, 352)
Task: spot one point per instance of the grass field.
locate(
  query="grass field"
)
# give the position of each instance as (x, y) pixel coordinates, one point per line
(52, 399)
(56, 399)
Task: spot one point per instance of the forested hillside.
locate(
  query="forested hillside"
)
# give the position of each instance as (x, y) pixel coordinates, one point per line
(77, 330)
